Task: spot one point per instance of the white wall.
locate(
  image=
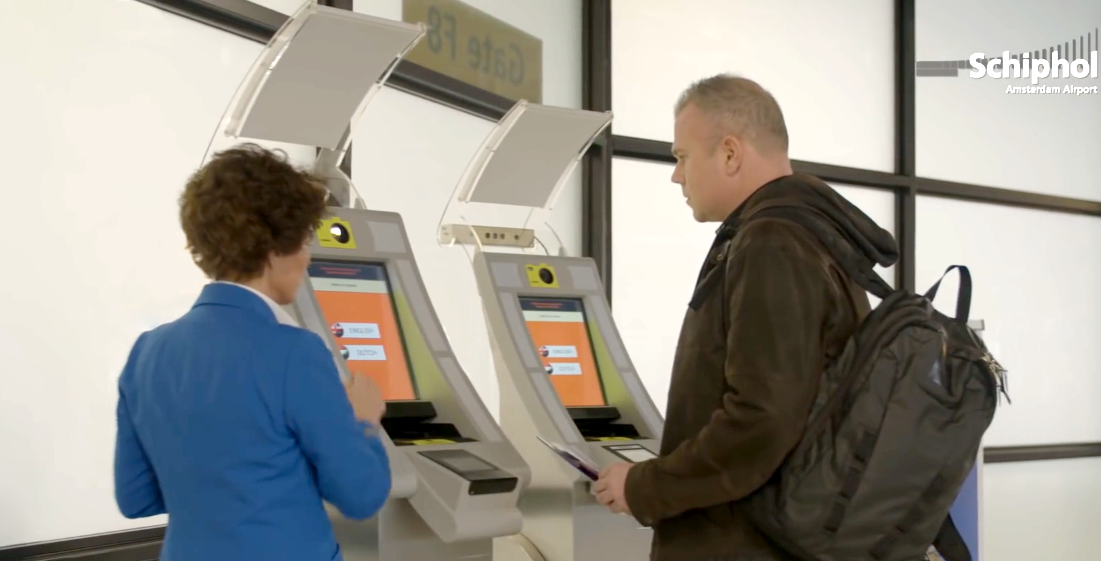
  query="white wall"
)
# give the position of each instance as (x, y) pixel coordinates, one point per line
(831, 67)
(113, 106)
(107, 110)
(1046, 510)
(657, 251)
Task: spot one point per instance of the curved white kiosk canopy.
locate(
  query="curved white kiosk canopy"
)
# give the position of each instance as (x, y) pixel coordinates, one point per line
(312, 82)
(563, 370)
(456, 478)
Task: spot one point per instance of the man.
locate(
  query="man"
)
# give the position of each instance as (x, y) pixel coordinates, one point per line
(769, 311)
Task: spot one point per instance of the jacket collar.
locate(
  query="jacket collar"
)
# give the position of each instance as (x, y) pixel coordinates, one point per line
(729, 227)
(242, 297)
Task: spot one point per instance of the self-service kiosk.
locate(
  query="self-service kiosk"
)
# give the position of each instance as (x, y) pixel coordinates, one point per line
(563, 371)
(459, 477)
(456, 478)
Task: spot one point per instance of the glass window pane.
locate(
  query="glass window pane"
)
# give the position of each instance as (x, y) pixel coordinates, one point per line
(519, 49)
(1041, 510)
(1036, 276)
(657, 251)
(973, 130)
(831, 67)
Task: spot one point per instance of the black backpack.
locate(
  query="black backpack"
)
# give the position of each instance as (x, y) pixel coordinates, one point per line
(894, 431)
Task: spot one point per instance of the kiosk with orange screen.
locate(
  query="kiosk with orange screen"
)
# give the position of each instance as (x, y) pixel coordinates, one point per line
(561, 334)
(455, 479)
(452, 463)
(566, 383)
(571, 399)
(355, 300)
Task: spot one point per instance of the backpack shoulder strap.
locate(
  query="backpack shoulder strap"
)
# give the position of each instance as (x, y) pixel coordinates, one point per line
(963, 296)
(859, 268)
(949, 543)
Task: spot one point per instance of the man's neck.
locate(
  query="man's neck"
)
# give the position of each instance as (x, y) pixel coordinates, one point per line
(766, 172)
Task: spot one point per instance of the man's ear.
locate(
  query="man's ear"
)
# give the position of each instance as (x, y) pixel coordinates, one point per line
(732, 151)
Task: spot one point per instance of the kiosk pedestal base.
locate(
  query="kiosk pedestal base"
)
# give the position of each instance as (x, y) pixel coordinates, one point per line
(567, 524)
(405, 536)
(515, 548)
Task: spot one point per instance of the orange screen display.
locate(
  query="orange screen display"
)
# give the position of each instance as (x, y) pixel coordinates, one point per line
(561, 336)
(356, 303)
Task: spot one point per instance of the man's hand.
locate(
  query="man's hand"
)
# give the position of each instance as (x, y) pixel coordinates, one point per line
(609, 487)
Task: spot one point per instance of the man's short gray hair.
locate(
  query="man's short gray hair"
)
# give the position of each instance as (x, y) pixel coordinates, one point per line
(740, 107)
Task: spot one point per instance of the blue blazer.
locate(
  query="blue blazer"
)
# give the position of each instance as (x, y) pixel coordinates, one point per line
(238, 427)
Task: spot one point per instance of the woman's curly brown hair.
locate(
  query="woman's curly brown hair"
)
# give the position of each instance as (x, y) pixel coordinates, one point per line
(245, 205)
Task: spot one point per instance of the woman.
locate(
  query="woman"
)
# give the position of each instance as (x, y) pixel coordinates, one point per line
(231, 419)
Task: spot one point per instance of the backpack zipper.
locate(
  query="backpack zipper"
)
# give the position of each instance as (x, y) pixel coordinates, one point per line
(1001, 379)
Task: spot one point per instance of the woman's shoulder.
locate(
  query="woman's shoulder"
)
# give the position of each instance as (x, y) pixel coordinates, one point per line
(301, 342)
(260, 340)
(287, 341)
(300, 336)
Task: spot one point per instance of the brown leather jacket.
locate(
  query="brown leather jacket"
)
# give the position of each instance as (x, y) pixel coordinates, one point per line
(771, 308)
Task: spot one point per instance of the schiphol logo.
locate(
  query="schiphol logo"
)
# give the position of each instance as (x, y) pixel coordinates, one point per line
(1037, 69)
(1077, 59)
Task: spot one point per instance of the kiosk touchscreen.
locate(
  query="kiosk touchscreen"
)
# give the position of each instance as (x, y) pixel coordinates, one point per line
(355, 298)
(566, 378)
(461, 476)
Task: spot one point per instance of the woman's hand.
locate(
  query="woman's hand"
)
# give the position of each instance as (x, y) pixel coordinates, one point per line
(366, 398)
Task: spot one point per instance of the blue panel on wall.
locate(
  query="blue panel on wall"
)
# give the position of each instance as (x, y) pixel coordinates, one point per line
(965, 512)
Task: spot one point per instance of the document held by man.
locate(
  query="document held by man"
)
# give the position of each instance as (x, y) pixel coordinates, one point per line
(573, 458)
